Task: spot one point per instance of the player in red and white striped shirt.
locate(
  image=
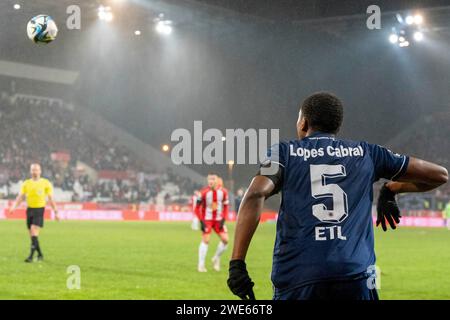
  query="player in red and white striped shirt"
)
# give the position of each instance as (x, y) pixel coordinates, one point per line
(212, 210)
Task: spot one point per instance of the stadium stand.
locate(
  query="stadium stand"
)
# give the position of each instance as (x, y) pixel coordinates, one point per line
(83, 165)
(427, 138)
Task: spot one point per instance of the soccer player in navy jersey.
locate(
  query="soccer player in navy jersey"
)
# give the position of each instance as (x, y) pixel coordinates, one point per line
(324, 247)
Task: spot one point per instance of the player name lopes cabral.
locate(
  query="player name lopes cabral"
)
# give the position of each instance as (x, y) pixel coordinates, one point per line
(331, 151)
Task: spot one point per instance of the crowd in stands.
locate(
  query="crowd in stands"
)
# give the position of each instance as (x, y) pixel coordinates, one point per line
(46, 131)
(428, 139)
(143, 188)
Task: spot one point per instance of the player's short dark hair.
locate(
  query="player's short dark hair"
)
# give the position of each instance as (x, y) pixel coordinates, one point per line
(323, 111)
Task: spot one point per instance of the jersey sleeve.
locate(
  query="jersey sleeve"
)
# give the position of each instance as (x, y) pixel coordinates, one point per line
(387, 164)
(23, 188)
(48, 189)
(274, 164)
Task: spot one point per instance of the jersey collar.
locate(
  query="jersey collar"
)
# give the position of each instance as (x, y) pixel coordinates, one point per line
(321, 135)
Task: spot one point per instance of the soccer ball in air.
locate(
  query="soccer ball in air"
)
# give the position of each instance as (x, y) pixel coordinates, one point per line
(42, 29)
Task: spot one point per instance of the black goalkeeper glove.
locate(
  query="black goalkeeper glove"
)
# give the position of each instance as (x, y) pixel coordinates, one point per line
(387, 209)
(202, 225)
(239, 281)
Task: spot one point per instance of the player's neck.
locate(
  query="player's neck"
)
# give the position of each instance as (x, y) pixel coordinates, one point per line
(35, 178)
(311, 133)
(308, 133)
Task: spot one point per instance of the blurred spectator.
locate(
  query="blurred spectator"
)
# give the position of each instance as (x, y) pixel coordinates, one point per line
(238, 199)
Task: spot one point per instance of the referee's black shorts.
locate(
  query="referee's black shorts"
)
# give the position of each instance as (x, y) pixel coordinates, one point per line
(35, 216)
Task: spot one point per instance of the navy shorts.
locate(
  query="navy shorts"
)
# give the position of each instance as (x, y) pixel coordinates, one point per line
(35, 217)
(331, 290)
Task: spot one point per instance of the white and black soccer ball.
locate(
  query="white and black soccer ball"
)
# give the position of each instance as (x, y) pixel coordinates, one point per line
(42, 29)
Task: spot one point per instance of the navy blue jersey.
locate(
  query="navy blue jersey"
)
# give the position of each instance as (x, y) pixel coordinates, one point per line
(324, 227)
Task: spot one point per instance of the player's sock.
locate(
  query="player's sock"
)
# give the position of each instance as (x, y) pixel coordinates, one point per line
(221, 247)
(35, 242)
(32, 249)
(216, 259)
(202, 251)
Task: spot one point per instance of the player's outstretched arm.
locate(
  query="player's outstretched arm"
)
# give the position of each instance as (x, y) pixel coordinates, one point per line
(20, 197)
(420, 176)
(53, 205)
(249, 212)
(197, 211)
(239, 281)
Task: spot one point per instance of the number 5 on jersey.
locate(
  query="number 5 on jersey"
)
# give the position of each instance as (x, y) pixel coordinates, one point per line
(320, 188)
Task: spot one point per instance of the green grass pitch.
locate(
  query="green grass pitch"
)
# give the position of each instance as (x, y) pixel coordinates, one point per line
(157, 260)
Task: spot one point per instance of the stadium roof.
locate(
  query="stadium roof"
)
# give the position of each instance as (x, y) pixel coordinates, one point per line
(291, 10)
(287, 10)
